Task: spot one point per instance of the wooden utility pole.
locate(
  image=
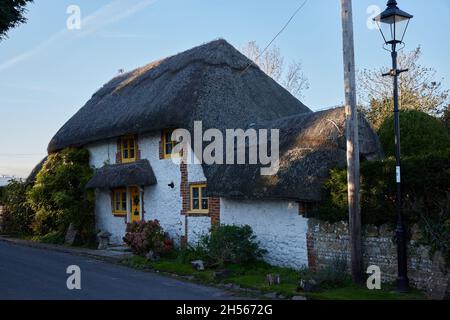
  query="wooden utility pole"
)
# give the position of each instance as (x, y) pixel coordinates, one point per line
(351, 112)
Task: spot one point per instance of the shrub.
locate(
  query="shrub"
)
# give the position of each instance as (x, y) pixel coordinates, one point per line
(145, 236)
(18, 215)
(59, 196)
(421, 134)
(230, 244)
(425, 183)
(332, 276)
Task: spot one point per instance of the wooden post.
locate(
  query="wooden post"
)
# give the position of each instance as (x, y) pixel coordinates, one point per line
(351, 112)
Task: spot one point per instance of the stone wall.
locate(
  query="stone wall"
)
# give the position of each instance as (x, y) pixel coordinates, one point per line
(427, 271)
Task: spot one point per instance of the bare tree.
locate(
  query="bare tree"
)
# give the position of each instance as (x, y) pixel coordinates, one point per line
(272, 63)
(418, 89)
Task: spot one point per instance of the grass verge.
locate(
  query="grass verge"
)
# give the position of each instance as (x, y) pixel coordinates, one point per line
(254, 277)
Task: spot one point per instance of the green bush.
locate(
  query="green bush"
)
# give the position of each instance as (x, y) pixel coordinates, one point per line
(18, 214)
(425, 187)
(145, 236)
(230, 244)
(334, 275)
(421, 134)
(59, 196)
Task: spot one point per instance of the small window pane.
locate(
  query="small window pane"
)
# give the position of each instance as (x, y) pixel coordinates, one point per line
(132, 153)
(195, 192)
(205, 204)
(124, 201)
(195, 204)
(125, 153)
(168, 135)
(203, 192)
(125, 144)
(168, 148)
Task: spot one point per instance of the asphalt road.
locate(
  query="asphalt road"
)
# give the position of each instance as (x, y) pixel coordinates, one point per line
(32, 273)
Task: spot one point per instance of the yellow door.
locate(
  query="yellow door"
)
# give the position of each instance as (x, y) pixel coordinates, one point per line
(135, 199)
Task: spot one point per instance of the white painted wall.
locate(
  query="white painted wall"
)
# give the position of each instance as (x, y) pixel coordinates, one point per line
(277, 225)
(161, 202)
(105, 220)
(197, 227)
(102, 153)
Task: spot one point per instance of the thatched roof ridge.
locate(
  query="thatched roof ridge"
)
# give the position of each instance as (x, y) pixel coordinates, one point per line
(204, 83)
(139, 173)
(310, 145)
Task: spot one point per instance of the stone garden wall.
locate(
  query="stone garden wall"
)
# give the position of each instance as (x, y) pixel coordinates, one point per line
(328, 242)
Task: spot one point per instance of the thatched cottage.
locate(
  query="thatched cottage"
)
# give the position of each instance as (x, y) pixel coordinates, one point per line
(127, 127)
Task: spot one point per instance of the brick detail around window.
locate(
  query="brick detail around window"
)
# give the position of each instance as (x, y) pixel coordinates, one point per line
(214, 202)
(214, 210)
(161, 148)
(184, 189)
(312, 260)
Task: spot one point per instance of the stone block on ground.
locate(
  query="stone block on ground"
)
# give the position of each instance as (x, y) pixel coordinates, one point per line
(198, 265)
(71, 235)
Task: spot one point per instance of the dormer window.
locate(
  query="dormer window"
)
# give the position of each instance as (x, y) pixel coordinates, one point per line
(128, 149)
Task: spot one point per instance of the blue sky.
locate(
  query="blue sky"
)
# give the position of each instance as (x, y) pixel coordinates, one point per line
(48, 72)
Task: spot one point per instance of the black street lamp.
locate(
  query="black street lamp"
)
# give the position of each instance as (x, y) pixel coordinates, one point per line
(393, 23)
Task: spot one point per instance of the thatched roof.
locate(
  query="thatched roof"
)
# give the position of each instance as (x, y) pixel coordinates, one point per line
(208, 83)
(310, 145)
(138, 173)
(204, 83)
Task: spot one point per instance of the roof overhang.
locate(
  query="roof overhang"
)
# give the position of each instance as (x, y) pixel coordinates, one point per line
(139, 173)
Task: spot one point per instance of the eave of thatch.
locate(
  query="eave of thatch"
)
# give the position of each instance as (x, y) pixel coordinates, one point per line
(205, 83)
(139, 173)
(310, 145)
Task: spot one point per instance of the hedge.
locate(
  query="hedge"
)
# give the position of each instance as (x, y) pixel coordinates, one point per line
(425, 190)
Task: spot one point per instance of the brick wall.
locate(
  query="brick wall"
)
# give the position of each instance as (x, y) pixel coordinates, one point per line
(327, 242)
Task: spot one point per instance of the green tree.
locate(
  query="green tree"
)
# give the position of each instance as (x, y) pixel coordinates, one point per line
(418, 88)
(446, 118)
(421, 134)
(18, 215)
(11, 15)
(59, 196)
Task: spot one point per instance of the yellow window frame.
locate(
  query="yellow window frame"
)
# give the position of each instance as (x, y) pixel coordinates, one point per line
(128, 149)
(166, 144)
(200, 198)
(120, 202)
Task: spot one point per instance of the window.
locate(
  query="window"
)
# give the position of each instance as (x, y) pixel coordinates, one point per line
(199, 200)
(128, 149)
(168, 143)
(120, 201)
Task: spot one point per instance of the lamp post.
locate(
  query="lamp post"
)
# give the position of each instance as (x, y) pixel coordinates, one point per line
(393, 24)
